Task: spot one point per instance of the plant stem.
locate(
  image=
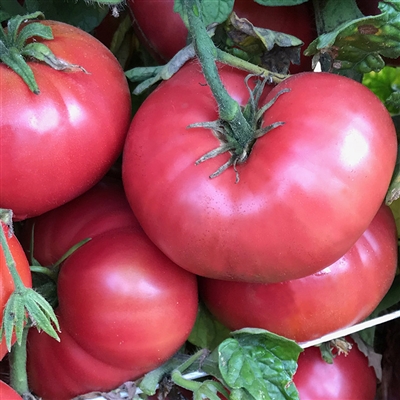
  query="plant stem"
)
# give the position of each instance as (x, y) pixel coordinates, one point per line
(229, 59)
(229, 109)
(18, 373)
(179, 379)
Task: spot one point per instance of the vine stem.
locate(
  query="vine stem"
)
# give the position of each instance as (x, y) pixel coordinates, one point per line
(229, 109)
(18, 372)
(177, 373)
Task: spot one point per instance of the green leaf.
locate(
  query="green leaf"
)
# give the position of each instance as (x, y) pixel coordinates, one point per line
(386, 85)
(211, 10)
(273, 3)
(9, 8)
(393, 192)
(272, 50)
(74, 12)
(260, 363)
(359, 44)
(207, 331)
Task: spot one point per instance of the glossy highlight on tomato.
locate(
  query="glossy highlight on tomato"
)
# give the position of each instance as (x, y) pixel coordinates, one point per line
(340, 295)
(119, 302)
(59, 143)
(300, 203)
(348, 378)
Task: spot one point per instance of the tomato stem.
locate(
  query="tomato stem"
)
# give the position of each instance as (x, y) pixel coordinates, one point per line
(18, 372)
(177, 376)
(229, 109)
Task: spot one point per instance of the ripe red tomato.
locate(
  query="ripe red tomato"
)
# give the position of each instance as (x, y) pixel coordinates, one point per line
(348, 378)
(58, 144)
(300, 203)
(8, 393)
(124, 309)
(102, 208)
(303, 309)
(164, 43)
(6, 281)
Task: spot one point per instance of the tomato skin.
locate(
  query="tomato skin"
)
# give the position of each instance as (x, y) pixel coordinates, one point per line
(304, 309)
(6, 281)
(8, 393)
(348, 378)
(254, 230)
(57, 144)
(166, 42)
(119, 300)
(102, 208)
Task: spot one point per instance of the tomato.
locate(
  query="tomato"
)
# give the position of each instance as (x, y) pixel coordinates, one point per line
(300, 203)
(6, 281)
(124, 309)
(102, 208)
(58, 144)
(164, 43)
(8, 393)
(348, 378)
(303, 309)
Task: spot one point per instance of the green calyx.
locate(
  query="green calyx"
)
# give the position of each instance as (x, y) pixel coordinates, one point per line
(15, 47)
(240, 146)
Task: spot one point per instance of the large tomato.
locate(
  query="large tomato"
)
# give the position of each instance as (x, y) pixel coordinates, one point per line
(124, 309)
(301, 200)
(164, 33)
(304, 309)
(8, 393)
(102, 208)
(348, 378)
(59, 143)
(6, 281)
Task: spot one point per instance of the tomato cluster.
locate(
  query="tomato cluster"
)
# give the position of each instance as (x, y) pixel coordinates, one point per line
(295, 240)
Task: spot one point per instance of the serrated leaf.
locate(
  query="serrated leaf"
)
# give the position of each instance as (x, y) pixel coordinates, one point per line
(359, 44)
(212, 11)
(277, 3)
(393, 102)
(207, 332)
(272, 50)
(260, 363)
(386, 85)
